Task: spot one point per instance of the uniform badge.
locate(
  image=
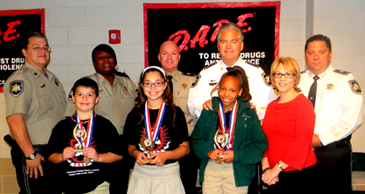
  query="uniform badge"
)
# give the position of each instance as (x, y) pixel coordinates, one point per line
(56, 82)
(355, 87)
(329, 87)
(266, 79)
(196, 81)
(212, 83)
(125, 89)
(184, 86)
(16, 88)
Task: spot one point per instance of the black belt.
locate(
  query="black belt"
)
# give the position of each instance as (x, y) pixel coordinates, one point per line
(337, 144)
(9, 140)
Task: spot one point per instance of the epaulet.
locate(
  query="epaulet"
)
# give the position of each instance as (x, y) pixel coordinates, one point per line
(123, 74)
(211, 65)
(341, 72)
(257, 66)
(302, 72)
(188, 74)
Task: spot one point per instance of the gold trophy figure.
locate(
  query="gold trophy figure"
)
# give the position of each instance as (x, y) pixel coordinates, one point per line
(220, 140)
(147, 143)
(80, 135)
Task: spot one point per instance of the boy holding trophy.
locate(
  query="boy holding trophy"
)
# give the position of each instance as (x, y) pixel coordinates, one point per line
(82, 145)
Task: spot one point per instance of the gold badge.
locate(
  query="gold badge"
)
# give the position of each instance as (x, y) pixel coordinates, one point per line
(329, 87)
(184, 86)
(16, 88)
(355, 87)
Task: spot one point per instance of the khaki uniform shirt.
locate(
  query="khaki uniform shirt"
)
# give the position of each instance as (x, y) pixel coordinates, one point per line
(41, 98)
(182, 84)
(115, 102)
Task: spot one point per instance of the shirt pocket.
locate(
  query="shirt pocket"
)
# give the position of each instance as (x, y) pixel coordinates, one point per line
(329, 103)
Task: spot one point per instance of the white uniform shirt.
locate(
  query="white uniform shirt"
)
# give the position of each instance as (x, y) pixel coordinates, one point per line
(262, 94)
(338, 107)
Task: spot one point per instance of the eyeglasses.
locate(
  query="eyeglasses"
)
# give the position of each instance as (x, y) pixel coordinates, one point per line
(149, 84)
(287, 75)
(39, 49)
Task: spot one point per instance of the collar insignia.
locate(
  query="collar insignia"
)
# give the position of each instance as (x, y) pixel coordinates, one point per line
(56, 82)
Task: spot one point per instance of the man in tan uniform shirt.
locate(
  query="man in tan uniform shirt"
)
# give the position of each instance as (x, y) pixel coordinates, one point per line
(169, 58)
(35, 103)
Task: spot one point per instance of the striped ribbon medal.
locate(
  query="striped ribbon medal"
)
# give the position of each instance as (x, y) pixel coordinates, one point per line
(84, 139)
(225, 137)
(152, 133)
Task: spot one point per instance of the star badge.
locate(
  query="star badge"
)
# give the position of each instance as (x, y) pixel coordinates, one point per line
(329, 87)
(184, 86)
(16, 88)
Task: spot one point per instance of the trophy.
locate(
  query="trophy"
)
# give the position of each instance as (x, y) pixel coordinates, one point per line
(220, 140)
(148, 146)
(80, 135)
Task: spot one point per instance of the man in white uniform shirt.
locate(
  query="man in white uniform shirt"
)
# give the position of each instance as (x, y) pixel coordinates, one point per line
(337, 100)
(230, 45)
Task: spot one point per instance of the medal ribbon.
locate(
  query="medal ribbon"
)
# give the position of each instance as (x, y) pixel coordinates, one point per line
(89, 130)
(231, 124)
(149, 133)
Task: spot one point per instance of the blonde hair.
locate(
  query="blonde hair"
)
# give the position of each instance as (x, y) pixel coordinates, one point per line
(291, 66)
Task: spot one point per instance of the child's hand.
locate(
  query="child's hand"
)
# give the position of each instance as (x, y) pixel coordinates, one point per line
(229, 156)
(91, 154)
(214, 154)
(253, 106)
(208, 105)
(159, 159)
(141, 159)
(68, 153)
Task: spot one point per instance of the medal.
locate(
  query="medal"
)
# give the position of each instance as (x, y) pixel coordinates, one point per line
(83, 138)
(149, 139)
(224, 137)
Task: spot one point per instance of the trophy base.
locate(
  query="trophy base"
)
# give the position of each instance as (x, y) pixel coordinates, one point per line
(222, 156)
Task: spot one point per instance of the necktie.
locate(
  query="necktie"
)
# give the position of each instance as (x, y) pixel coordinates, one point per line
(170, 83)
(313, 91)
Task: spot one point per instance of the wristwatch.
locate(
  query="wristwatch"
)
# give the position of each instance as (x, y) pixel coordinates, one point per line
(32, 156)
(280, 166)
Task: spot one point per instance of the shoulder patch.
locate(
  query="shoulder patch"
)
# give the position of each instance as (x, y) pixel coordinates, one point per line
(196, 81)
(188, 74)
(266, 79)
(341, 72)
(16, 88)
(206, 67)
(355, 87)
